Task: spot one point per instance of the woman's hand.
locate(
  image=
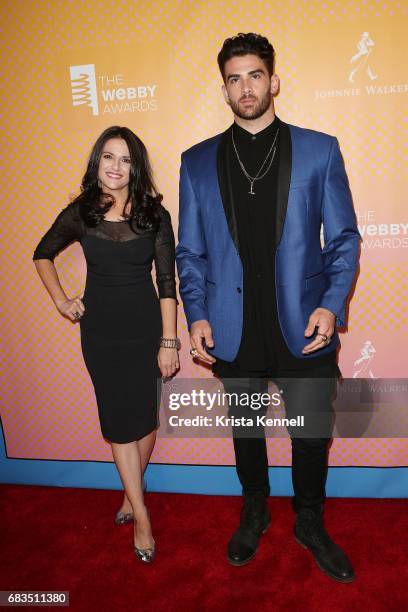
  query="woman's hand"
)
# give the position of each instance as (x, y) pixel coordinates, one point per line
(168, 360)
(72, 309)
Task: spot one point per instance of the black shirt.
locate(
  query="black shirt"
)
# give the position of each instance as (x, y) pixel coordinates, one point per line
(262, 345)
(70, 227)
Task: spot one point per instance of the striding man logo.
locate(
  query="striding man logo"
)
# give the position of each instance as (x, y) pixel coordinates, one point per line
(83, 87)
(362, 365)
(361, 58)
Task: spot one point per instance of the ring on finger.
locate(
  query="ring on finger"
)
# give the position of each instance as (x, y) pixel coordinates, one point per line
(324, 337)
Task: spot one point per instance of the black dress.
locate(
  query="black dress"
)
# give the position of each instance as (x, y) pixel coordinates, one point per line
(121, 326)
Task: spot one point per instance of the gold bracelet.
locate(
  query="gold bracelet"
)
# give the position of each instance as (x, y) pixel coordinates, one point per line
(170, 343)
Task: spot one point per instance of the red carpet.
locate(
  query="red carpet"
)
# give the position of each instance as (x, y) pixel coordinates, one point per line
(54, 538)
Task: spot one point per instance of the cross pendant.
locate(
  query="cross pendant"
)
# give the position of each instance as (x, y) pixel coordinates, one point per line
(252, 192)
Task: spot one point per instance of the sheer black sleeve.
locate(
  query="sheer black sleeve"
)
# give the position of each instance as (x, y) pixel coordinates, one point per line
(67, 228)
(164, 257)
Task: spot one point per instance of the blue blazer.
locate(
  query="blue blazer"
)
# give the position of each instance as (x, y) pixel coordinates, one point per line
(312, 190)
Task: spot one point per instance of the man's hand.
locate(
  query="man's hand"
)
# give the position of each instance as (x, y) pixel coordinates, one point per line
(325, 321)
(201, 330)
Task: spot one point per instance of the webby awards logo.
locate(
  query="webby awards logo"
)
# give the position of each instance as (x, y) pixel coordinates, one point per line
(83, 87)
(109, 94)
(385, 235)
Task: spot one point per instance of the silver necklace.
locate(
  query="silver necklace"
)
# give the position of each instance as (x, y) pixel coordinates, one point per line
(258, 175)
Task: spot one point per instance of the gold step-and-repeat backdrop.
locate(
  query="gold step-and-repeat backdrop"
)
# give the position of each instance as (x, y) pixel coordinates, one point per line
(70, 69)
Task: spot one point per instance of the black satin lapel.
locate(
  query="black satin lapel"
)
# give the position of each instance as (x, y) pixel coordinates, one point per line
(284, 174)
(224, 180)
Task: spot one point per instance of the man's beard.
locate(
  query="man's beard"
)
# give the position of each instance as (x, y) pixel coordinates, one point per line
(260, 107)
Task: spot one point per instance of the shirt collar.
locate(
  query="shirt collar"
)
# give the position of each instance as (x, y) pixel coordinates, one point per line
(264, 135)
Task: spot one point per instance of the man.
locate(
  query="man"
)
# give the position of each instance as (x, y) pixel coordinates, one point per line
(261, 296)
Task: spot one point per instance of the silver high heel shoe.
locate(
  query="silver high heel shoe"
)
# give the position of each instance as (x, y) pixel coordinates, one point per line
(147, 555)
(123, 519)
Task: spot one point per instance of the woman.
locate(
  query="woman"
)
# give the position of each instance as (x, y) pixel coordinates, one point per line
(128, 335)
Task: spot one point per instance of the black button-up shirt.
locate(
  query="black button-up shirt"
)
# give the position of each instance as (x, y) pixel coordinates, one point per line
(262, 345)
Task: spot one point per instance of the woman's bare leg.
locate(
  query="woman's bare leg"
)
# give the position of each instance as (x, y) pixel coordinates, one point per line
(128, 461)
(146, 446)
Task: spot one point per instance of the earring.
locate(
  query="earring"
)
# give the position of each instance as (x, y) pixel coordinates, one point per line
(99, 183)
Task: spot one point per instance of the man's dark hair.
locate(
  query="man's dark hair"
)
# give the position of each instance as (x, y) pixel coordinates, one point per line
(244, 44)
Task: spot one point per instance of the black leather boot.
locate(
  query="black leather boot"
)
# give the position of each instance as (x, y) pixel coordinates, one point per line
(255, 520)
(311, 534)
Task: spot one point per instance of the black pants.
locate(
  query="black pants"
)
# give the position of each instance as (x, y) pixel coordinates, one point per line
(308, 392)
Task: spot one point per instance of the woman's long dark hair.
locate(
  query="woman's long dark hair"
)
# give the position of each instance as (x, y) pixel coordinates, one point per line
(143, 195)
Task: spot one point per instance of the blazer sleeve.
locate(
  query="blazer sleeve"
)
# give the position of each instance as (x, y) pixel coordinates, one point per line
(191, 254)
(67, 228)
(341, 236)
